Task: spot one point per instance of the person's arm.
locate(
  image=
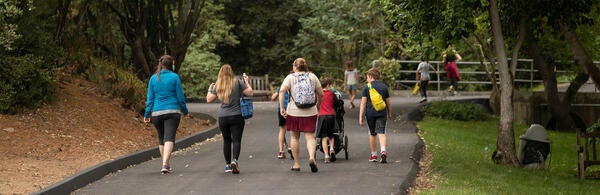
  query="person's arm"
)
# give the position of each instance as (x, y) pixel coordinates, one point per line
(210, 96)
(361, 113)
(388, 102)
(319, 91)
(274, 96)
(181, 97)
(458, 58)
(345, 79)
(282, 90)
(149, 102)
(248, 91)
(432, 68)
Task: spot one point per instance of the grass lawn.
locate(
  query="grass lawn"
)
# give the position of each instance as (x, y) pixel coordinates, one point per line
(462, 162)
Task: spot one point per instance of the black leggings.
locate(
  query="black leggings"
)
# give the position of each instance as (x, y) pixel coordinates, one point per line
(423, 88)
(232, 128)
(454, 83)
(166, 127)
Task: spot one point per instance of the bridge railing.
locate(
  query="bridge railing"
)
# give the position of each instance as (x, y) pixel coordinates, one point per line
(470, 73)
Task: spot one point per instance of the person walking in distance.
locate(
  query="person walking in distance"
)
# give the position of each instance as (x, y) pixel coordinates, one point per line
(326, 121)
(351, 81)
(377, 112)
(281, 141)
(164, 103)
(423, 77)
(229, 90)
(301, 113)
(450, 58)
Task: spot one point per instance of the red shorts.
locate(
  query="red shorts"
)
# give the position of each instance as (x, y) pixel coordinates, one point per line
(302, 124)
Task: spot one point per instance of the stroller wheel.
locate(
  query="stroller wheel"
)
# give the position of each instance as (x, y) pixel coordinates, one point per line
(346, 147)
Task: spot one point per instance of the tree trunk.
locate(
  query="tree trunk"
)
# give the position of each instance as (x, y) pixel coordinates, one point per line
(558, 109)
(505, 146)
(580, 54)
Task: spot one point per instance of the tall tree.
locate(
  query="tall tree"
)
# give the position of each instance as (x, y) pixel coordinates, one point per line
(266, 30)
(505, 145)
(153, 28)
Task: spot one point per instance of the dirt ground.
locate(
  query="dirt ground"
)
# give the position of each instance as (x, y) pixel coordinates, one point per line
(79, 129)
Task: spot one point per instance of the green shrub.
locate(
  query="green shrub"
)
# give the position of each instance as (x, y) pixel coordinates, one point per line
(595, 127)
(199, 69)
(118, 83)
(389, 70)
(24, 84)
(455, 111)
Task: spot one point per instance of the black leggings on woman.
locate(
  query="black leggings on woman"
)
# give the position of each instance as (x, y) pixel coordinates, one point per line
(423, 88)
(232, 128)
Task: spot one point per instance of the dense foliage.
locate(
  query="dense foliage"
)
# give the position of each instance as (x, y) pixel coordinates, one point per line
(450, 110)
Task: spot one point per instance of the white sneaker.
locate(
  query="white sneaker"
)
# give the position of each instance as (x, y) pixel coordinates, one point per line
(424, 99)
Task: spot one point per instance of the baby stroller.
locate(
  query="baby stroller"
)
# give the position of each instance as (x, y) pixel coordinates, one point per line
(340, 139)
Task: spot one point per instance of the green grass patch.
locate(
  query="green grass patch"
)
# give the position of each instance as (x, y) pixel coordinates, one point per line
(462, 161)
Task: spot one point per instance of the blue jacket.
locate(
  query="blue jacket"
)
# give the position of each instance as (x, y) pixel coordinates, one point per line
(166, 94)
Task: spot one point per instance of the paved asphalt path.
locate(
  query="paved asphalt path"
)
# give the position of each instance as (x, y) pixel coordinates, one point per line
(200, 169)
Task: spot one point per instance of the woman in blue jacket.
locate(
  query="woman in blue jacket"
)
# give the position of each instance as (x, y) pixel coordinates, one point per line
(164, 103)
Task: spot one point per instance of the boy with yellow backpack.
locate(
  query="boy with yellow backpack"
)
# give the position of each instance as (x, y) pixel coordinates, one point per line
(375, 106)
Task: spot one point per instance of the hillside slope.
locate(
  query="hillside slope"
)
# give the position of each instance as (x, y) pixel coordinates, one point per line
(80, 128)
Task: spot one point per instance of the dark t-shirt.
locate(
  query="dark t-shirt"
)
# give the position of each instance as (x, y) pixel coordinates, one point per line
(233, 108)
(383, 90)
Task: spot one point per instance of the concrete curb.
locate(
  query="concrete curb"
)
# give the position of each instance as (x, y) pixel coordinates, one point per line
(94, 173)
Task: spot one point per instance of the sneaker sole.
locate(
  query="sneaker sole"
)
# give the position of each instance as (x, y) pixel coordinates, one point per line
(164, 171)
(383, 158)
(234, 168)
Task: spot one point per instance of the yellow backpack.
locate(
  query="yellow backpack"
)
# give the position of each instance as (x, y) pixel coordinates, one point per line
(376, 99)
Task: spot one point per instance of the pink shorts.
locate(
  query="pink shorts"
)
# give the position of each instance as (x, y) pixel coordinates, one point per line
(302, 124)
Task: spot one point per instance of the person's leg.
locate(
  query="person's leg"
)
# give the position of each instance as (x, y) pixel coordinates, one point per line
(423, 86)
(294, 142)
(226, 133)
(372, 139)
(380, 126)
(325, 146)
(352, 96)
(237, 130)
(160, 131)
(311, 146)
(170, 124)
(281, 140)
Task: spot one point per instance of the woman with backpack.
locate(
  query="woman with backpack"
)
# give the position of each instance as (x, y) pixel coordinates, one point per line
(229, 90)
(301, 111)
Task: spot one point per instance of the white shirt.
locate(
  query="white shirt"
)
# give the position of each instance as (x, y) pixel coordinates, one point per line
(351, 77)
(424, 69)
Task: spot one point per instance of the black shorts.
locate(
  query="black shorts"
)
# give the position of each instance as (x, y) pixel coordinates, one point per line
(281, 119)
(376, 125)
(325, 126)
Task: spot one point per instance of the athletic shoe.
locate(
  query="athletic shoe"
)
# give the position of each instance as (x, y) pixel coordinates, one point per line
(280, 155)
(165, 169)
(333, 159)
(234, 167)
(373, 158)
(313, 166)
(383, 157)
(424, 99)
(227, 169)
(327, 159)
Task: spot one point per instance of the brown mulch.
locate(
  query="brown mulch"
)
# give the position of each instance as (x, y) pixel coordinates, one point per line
(79, 129)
